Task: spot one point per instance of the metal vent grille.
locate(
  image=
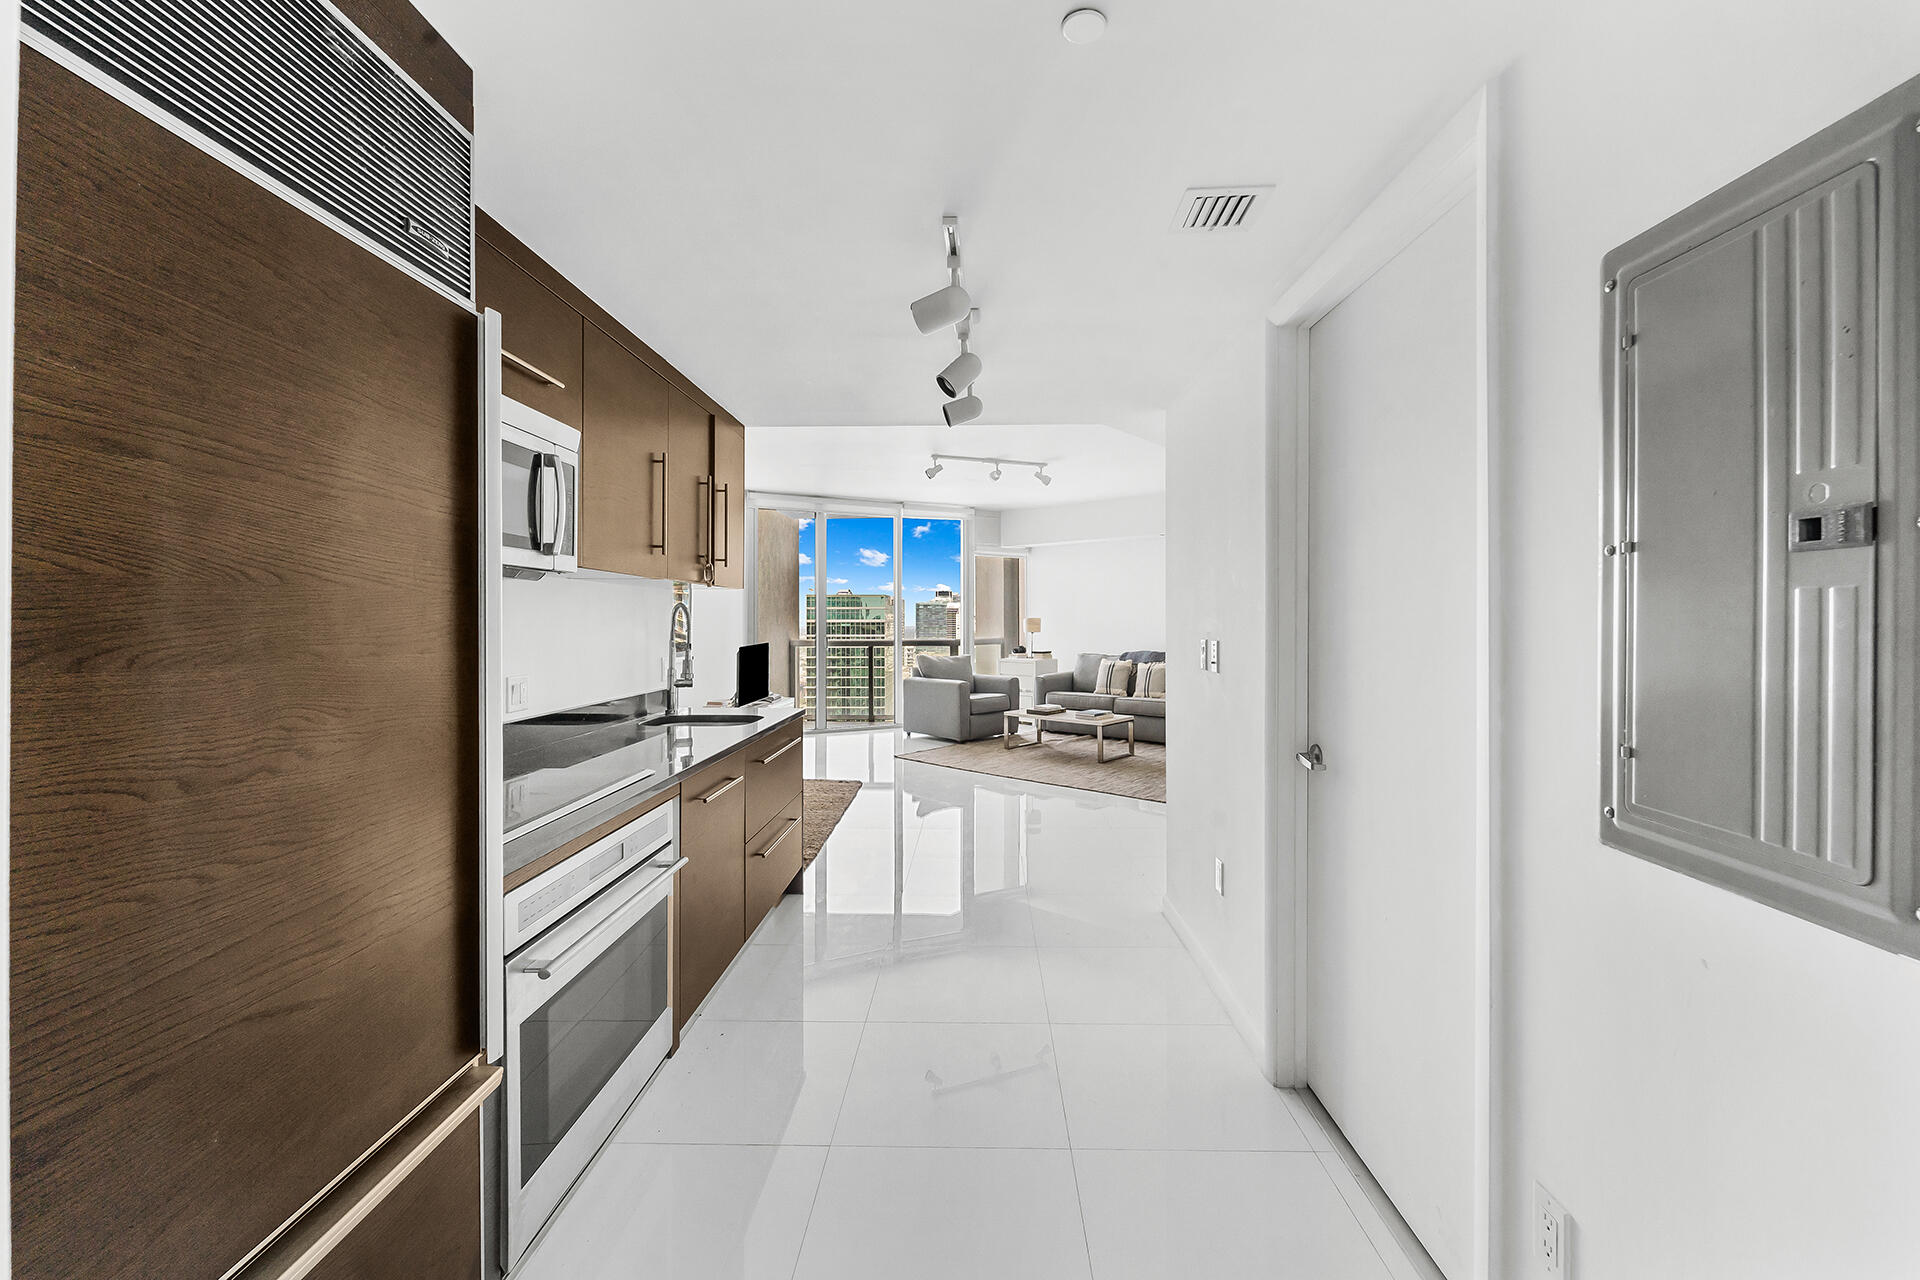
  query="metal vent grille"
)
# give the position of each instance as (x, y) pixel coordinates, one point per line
(299, 97)
(1219, 208)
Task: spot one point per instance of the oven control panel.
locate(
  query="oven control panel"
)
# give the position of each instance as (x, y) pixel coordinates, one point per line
(541, 902)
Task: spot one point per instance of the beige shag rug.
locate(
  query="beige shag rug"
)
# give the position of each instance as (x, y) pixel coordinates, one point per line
(1064, 760)
(823, 803)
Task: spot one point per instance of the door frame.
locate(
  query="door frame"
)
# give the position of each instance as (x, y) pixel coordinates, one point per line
(1458, 163)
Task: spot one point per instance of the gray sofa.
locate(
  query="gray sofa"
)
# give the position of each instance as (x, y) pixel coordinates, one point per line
(946, 698)
(1074, 691)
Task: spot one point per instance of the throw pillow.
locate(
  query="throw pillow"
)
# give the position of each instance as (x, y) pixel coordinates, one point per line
(1115, 675)
(1150, 681)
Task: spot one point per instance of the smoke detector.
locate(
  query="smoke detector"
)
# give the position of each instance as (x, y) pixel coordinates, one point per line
(1219, 208)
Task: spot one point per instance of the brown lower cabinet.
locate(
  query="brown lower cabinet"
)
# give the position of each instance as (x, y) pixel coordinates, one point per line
(711, 891)
(427, 1229)
(773, 860)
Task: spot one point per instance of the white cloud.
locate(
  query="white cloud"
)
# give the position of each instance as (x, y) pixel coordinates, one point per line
(941, 586)
(836, 582)
(806, 524)
(805, 558)
(956, 558)
(873, 559)
(922, 530)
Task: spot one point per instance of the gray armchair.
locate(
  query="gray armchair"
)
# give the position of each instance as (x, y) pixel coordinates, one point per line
(946, 698)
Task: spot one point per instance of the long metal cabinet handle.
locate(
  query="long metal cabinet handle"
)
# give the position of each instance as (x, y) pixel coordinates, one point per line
(721, 790)
(782, 751)
(636, 905)
(493, 1003)
(775, 842)
(658, 499)
(705, 522)
(532, 370)
(720, 528)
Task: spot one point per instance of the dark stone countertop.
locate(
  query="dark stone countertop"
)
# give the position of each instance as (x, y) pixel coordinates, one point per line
(566, 778)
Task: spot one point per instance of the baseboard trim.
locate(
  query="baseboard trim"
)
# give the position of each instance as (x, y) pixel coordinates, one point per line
(1250, 1030)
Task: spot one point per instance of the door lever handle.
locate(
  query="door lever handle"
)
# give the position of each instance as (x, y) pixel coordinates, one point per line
(1310, 759)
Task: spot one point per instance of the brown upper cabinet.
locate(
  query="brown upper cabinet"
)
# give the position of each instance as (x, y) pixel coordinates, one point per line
(541, 337)
(627, 460)
(730, 502)
(663, 484)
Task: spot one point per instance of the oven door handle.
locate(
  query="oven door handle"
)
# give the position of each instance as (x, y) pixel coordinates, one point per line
(642, 901)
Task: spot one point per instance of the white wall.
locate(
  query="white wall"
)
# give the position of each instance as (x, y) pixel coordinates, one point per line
(1099, 597)
(1134, 517)
(1713, 1089)
(1219, 759)
(719, 629)
(583, 639)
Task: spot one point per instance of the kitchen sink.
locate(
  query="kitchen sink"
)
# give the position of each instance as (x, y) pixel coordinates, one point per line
(696, 719)
(579, 717)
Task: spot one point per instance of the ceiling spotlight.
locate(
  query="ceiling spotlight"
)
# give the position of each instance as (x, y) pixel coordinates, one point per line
(1083, 26)
(961, 374)
(942, 309)
(1040, 474)
(935, 469)
(995, 473)
(965, 409)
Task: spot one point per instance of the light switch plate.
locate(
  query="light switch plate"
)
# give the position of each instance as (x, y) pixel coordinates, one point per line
(516, 694)
(1213, 655)
(1552, 1235)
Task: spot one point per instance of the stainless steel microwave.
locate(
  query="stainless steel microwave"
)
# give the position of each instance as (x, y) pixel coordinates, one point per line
(539, 493)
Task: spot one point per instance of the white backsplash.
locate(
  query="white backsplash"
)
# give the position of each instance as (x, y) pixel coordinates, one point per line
(580, 639)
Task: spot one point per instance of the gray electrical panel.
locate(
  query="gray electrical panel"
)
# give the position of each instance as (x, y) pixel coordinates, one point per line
(1761, 360)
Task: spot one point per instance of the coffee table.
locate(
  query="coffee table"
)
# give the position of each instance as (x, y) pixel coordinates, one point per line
(1011, 738)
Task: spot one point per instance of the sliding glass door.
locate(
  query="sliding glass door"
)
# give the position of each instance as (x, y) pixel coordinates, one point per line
(848, 596)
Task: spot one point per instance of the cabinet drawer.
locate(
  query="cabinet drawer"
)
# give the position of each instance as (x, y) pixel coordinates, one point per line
(711, 891)
(541, 337)
(773, 860)
(774, 768)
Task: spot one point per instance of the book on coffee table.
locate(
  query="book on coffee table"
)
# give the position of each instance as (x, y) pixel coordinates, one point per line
(1045, 709)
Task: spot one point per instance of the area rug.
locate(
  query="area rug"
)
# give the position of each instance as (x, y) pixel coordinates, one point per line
(823, 803)
(1064, 760)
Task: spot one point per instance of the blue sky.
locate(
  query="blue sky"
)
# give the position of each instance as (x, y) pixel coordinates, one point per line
(860, 556)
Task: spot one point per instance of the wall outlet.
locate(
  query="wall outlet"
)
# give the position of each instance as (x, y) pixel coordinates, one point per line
(1552, 1235)
(516, 694)
(1220, 877)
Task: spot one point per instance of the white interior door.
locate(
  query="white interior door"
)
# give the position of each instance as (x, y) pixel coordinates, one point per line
(1390, 701)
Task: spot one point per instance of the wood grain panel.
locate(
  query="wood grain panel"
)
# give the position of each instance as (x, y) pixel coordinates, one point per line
(730, 489)
(626, 461)
(773, 860)
(428, 1229)
(410, 40)
(775, 767)
(514, 879)
(244, 836)
(711, 890)
(690, 491)
(538, 327)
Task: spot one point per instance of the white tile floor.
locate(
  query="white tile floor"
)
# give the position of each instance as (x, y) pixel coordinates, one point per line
(971, 1049)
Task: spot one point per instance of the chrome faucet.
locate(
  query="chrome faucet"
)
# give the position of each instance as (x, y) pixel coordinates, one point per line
(681, 629)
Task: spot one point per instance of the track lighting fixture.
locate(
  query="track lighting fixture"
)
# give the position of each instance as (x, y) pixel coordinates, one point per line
(944, 308)
(1039, 468)
(965, 409)
(959, 375)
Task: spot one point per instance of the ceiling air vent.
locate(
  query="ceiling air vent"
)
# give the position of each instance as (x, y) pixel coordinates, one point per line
(1219, 208)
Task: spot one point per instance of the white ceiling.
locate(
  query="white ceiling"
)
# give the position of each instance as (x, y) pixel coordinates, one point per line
(755, 186)
(889, 464)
